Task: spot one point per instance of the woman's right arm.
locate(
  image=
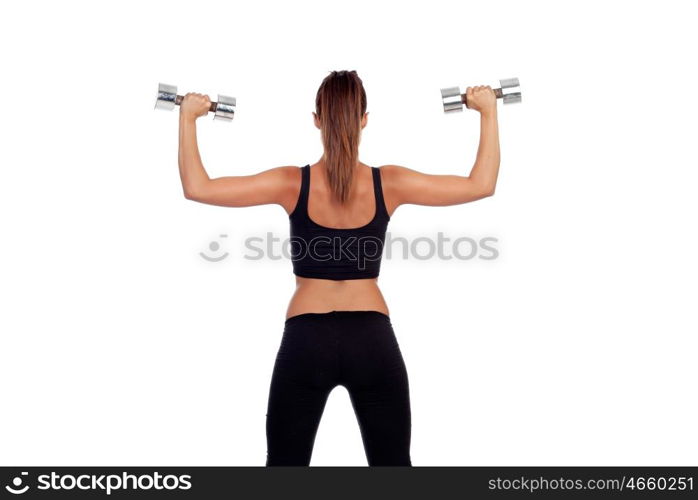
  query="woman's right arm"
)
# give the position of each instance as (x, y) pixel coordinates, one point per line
(406, 186)
(274, 186)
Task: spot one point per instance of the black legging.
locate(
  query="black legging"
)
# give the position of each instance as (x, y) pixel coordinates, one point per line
(319, 351)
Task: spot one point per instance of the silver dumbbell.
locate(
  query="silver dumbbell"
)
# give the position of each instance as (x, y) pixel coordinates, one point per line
(510, 93)
(167, 98)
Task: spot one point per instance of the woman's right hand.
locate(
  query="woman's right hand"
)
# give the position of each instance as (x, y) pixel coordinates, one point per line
(194, 105)
(481, 98)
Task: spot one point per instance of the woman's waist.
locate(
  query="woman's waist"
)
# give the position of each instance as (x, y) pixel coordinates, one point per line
(318, 295)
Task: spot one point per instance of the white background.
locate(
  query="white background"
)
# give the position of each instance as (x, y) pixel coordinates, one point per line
(120, 345)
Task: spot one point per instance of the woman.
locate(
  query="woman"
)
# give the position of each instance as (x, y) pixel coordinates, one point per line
(337, 329)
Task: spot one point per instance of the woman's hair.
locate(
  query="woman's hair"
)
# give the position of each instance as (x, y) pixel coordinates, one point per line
(340, 105)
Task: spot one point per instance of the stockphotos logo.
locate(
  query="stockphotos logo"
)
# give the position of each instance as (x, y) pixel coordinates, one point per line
(16, 486)
(106, 483)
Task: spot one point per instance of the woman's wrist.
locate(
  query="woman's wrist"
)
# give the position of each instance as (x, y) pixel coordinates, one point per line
(489, 114)
(186, 119)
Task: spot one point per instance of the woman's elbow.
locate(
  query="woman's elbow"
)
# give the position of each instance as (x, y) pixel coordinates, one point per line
(485, 190)
(192, 194)
(188, 193)
(197, 191)
(482, 188)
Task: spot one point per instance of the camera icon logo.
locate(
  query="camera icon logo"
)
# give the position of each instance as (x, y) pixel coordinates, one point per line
(214, 246)
(16, 487)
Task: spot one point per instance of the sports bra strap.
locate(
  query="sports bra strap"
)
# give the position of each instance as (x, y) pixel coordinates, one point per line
(378, 191)
(305, 188)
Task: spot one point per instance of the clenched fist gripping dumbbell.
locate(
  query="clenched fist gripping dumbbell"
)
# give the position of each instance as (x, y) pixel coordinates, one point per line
(509, 93)
(167, 98)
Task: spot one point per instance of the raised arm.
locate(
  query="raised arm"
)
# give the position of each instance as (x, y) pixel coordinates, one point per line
(274, 186)
(406, 186)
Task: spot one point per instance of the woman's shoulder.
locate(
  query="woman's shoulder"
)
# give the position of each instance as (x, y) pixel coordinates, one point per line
(393, 174)
(393, 169)
(283, 177)
(285, 182)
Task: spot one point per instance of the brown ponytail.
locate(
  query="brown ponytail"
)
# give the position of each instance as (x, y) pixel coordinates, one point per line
(340, 105)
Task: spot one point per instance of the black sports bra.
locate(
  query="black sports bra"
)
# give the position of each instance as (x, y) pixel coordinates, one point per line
(333, 253)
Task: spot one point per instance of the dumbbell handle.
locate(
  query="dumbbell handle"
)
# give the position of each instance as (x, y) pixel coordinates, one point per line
(179, 98)
(497, 92)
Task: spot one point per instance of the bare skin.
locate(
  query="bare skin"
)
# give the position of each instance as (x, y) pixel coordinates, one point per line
(281, 186)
